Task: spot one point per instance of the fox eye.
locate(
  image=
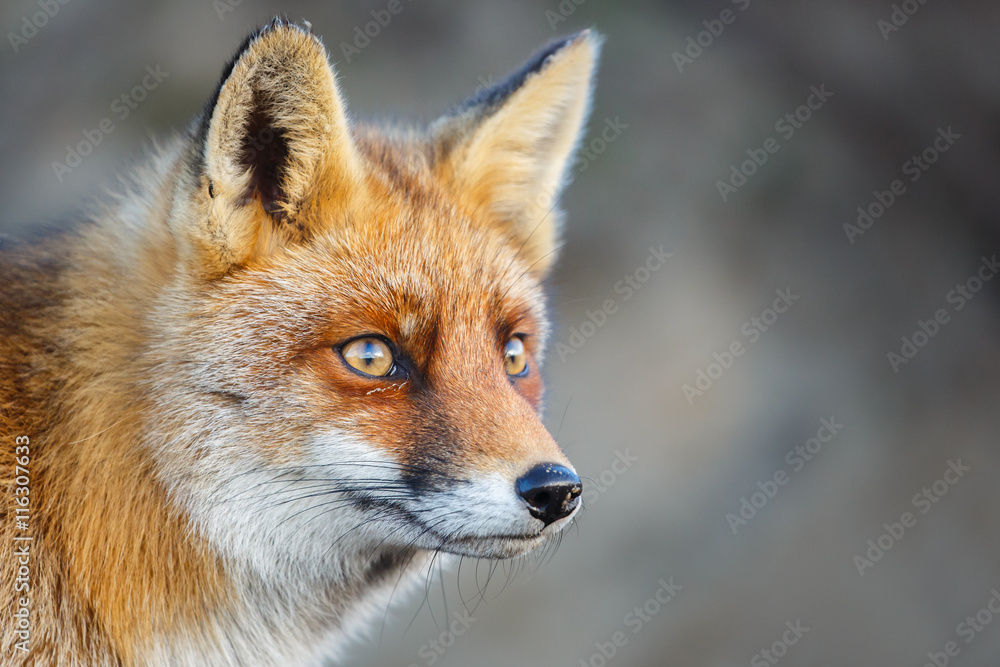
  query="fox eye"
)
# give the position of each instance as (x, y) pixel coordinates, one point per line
(369, 355)
(515, 358)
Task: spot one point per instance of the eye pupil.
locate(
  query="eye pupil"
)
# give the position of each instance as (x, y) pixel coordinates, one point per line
(515, 358)
(371, 356)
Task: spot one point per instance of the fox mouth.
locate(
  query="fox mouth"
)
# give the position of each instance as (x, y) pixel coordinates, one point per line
(492, 546)
(503, 545)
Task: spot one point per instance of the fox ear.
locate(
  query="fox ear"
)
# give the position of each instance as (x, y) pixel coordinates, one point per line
(275, 132)
(505, 152)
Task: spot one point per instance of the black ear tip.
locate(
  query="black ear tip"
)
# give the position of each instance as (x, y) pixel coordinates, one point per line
(486, 100)
(586, 35)
(591, 35)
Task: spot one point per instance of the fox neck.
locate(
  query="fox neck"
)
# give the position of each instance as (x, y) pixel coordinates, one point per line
(169, 596)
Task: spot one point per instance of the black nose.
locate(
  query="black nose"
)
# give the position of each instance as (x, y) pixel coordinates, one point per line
(551, 491)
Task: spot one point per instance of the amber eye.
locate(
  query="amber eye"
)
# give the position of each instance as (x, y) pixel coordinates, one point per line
(514, 356)
(368, 355)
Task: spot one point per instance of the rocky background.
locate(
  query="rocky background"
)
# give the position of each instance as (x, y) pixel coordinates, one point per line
(789, 427)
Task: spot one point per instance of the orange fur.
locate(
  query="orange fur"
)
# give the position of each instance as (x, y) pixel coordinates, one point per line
(185, 336)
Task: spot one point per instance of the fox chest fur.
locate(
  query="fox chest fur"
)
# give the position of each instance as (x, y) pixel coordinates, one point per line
(291, 359)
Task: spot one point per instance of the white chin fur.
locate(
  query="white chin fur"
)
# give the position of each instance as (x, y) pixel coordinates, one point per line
(278, 521)
(292, 532)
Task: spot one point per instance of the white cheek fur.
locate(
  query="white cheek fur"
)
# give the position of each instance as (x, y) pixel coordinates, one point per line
(288, 534)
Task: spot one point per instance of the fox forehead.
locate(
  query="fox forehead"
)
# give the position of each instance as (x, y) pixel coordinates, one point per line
(409, 266)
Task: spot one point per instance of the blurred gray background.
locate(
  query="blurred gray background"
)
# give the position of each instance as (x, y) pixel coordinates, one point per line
(692, 459)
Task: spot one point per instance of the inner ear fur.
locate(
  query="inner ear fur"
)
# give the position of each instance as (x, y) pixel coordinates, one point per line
(275, 134)
(505, 152)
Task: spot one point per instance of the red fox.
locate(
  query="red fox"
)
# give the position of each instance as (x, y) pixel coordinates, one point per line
(252, 394)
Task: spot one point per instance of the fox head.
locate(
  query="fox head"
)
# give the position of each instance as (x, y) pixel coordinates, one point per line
(346, 356)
